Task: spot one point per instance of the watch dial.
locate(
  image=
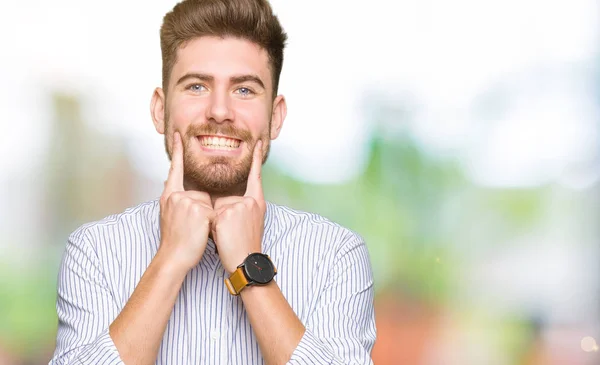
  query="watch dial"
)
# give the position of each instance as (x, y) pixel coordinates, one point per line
(259, 268)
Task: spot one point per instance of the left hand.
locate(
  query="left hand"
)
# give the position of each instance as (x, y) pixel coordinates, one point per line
(238, 227)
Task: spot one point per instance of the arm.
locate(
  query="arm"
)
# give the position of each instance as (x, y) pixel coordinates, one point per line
(138, 330)
(340, 331)
(86, 307)
(342, 328)
(275, 325)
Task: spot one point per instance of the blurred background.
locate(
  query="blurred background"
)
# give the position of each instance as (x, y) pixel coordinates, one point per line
(460, 138)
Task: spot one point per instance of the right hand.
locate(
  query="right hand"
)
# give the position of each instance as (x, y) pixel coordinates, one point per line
(185, 216)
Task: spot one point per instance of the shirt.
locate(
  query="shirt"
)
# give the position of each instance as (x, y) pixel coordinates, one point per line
(323, 271)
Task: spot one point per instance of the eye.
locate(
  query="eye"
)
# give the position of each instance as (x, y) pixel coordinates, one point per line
(196, 87)
(244, 91)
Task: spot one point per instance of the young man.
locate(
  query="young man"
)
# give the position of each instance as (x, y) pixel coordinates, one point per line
(211, 273)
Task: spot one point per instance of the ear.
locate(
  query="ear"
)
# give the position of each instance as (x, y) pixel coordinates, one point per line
(157, 110)
(278, 116)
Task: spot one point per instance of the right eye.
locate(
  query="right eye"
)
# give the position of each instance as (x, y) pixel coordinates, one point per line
(196, 87)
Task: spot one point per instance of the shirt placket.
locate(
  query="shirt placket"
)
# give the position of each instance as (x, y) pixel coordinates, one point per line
(220, 334)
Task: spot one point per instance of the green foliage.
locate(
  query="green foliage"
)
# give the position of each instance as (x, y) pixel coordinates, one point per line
(416, 214)
(395, 205)
(27, 306)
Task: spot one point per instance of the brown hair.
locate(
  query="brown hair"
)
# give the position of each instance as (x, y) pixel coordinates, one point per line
(252, 20)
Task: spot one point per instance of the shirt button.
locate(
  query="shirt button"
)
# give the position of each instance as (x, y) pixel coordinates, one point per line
(220, 271)
(214, 335)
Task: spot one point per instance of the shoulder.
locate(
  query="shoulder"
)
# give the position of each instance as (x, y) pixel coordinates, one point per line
(312, 228)
(133, 220)
(319, 252)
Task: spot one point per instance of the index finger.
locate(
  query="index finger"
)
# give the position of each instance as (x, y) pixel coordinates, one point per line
(175, 180)
(254, 187)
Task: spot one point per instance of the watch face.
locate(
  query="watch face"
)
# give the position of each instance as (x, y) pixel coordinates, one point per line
(259, 268)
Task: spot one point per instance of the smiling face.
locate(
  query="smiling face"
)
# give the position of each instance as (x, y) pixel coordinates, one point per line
(220, 99)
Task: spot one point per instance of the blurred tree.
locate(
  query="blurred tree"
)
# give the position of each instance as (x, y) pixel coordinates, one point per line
(88, 174)
(396, 205)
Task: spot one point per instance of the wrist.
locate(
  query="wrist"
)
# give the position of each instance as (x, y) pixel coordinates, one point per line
(258, 290)
(238, 258)
(230, 268)
(167, 264)
(257, 269)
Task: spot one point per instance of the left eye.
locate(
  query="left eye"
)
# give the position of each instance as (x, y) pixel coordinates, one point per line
(244, 91)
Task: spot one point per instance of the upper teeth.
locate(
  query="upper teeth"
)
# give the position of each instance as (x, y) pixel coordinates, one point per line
(219, 142)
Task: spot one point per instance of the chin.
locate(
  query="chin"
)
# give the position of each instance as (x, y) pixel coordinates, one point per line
(218, 178)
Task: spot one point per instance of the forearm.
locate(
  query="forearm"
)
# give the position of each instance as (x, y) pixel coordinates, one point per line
(276, 326)
(138, 329)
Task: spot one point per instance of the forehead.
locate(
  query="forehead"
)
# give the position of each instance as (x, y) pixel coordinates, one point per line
(222, 58)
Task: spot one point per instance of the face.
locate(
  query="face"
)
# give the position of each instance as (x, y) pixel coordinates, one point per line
(220, 99)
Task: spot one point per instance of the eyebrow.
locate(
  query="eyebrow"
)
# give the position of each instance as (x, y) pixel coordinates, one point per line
(198, 76)
(234, 79)
(247, 78)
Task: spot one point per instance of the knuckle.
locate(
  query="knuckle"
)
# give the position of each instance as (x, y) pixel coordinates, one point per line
(228, 212)
(175, 197)
(163, 200)
(195, 208)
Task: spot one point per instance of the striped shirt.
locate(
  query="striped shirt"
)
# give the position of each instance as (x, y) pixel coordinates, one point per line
(323, 271)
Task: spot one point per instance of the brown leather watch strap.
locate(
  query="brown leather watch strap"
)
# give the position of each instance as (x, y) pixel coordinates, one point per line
(236, 281)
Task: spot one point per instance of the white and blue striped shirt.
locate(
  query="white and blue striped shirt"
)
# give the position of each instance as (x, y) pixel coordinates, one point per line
(323, 271)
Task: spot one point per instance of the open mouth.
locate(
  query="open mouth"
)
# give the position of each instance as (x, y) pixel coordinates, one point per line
(219, 142)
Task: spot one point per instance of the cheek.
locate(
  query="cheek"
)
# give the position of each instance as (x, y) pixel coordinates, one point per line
(255, 117)
(184, 111)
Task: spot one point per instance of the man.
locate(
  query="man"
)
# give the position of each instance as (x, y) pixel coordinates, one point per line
(211, 273)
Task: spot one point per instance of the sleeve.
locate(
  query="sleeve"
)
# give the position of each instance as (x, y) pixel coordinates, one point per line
(342, 328)
(85, 308)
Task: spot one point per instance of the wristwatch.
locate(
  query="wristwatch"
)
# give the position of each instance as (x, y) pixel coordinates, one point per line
(257, 269)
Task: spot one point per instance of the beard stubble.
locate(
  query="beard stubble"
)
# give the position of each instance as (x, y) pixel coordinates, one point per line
(218, 175)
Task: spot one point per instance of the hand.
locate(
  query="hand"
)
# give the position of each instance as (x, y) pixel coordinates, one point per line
(185, 216)
(239, 223)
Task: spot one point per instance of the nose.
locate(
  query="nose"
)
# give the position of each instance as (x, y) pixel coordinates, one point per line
(219, 110)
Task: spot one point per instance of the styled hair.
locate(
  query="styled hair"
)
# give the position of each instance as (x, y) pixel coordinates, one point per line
(252, 20)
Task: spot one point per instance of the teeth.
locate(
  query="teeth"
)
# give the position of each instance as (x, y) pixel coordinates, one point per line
(219, 142)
